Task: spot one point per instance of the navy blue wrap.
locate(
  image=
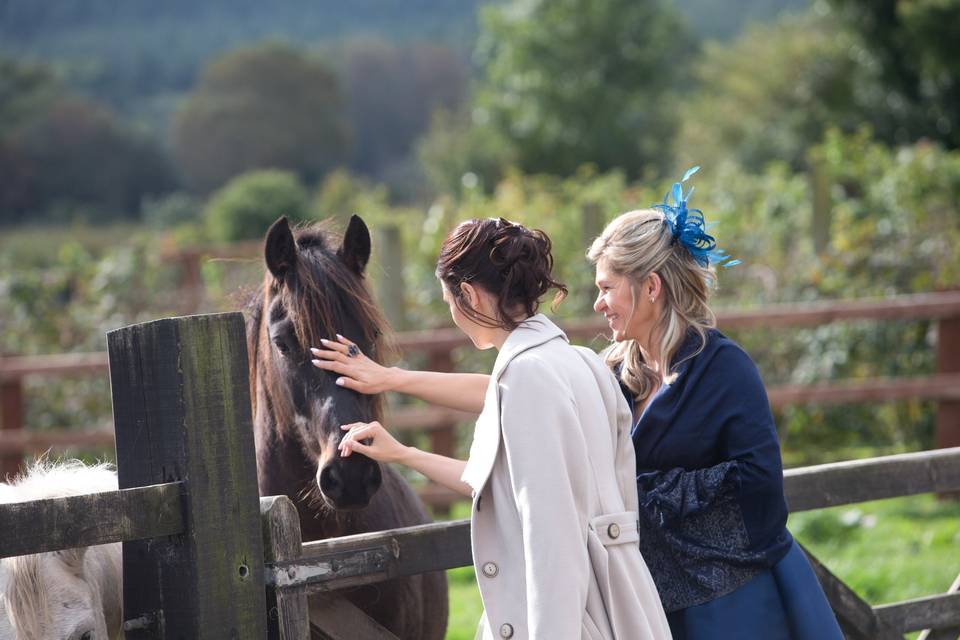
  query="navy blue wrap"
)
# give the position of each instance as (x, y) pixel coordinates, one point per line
(709, 476)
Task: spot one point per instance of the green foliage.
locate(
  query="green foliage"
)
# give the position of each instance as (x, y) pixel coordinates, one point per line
(246, 207)
(455, 151)
(773, 92)
(171, 210)
(264, 107)
(913, 45)
(887, 551)
(723, 20)
(570, 82)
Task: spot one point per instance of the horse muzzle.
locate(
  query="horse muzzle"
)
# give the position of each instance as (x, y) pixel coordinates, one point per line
(349, 484)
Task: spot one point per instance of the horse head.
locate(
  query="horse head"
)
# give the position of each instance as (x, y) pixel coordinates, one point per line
(314, 288)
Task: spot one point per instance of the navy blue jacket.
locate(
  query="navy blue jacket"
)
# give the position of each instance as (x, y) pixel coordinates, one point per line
(709, 476)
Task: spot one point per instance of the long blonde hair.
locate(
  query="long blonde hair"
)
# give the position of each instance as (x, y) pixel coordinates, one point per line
(634, 245)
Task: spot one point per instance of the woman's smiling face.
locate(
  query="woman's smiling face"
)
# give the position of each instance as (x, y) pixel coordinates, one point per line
(629, 313)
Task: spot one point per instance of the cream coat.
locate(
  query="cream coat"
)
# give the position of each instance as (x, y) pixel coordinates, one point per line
(554, 522)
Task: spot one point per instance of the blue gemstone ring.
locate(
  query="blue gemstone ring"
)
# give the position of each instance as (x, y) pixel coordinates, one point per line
(353, 351)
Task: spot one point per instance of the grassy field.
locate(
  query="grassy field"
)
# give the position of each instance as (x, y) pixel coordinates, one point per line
(887, 551)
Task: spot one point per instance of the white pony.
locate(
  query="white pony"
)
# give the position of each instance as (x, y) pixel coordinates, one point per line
(74, 594)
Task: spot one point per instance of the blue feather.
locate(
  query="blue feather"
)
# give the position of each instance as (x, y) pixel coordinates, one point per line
(689, 227)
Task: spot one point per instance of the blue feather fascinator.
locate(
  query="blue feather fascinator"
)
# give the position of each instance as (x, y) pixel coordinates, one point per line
(688, 226)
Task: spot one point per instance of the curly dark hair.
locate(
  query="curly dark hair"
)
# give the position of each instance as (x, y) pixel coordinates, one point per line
(504, 258)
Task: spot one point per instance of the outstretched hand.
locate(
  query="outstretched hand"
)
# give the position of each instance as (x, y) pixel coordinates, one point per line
(372, 440)
(357, 372)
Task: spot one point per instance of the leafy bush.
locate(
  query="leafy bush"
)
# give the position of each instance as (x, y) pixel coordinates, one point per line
(248, 204)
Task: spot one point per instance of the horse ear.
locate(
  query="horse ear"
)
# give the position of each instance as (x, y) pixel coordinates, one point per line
(280, 249)
(355, 250)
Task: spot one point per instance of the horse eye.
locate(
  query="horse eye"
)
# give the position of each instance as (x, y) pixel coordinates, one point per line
(281, 346)
(87, 636)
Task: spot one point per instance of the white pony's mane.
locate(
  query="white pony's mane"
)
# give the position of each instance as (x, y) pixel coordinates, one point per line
(22, 587)
(59, 479)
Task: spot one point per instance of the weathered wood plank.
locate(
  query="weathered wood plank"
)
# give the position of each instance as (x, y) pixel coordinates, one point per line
(857, 620)
(947, 633)
(327, 565)
(838, 483)
(911, 615)
(335, 618)
(287, 612)
(182, 412)
(944, 386)
(95, 518)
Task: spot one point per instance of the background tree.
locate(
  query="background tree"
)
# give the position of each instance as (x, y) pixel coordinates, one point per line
(772, 93)
(269, 106)
(60, 153)
(913, 44)
(391, 90)
(569, 82)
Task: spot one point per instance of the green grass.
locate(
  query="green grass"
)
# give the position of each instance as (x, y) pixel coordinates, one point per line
(886, 551)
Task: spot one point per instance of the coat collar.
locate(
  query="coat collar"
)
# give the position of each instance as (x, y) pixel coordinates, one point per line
(532, 332)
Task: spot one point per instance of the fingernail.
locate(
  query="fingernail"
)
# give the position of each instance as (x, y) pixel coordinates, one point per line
(345, 427)
(314, 349)
(340, 337)
(324, 341)
(340, 381)
(315, 361)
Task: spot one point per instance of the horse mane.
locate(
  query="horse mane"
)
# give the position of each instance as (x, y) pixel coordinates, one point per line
(25, 593)
(313, 307)
(47, 478)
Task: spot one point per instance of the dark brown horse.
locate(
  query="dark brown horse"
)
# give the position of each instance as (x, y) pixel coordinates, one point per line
(314, 288)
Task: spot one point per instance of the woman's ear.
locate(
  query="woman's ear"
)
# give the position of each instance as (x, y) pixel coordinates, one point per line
(653, 286)
(470, 294)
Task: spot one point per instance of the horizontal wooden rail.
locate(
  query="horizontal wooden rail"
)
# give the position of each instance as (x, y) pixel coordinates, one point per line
(91, 519)
(931, 612)
(906, 307)
(934, 387)
(944, 386)
(838, 483)
(327, 565)
(18, 441)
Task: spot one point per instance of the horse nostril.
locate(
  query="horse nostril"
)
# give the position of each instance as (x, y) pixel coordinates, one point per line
(331, 483)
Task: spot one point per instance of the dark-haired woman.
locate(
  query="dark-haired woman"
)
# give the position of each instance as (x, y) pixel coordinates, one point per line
(554, 522)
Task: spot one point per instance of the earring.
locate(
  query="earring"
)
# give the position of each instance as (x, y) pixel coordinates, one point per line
(652, 298)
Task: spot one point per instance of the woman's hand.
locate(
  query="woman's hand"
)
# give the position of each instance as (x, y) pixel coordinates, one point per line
(372, 440)
(357, 372)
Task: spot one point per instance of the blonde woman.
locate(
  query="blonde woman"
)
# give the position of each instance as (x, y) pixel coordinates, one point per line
(709, 474)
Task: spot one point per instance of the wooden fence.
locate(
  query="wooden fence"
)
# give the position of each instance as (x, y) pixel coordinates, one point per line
(438, 346)
(202, 559)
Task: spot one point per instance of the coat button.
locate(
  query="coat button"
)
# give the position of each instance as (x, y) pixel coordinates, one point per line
(506, 630)
(613, 530)
(490, 569)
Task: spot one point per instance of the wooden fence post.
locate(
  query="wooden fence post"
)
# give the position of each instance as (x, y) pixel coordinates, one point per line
(948, 361)
(819, 201)
(287, 612)
(390, 285)
(181, 410)
(443, 440)
(11, 419)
